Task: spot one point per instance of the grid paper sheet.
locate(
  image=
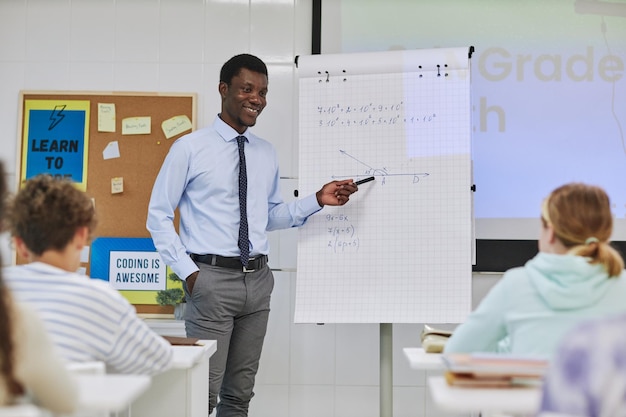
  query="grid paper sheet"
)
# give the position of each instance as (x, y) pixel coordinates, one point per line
(400, 250)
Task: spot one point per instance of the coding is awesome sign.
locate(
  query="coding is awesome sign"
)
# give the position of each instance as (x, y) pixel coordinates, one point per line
(137, 271)
(132, 266)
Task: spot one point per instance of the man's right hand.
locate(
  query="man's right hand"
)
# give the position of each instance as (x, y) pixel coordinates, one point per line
(191, 280)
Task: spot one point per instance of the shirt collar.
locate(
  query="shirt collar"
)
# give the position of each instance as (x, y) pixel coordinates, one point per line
(226, 132)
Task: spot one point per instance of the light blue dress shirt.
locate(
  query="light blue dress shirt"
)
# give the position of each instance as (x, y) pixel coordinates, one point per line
(200, 177)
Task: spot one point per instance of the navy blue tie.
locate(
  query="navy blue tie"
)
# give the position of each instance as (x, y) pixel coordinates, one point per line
(243, 242)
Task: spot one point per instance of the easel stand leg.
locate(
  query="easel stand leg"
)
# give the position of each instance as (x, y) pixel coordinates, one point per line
(386, 370)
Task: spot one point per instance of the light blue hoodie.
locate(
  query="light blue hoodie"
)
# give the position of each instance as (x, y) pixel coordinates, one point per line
(532, 307)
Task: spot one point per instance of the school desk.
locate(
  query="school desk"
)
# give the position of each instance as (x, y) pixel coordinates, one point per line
(483, 401)
(182, 391)
(109, 393)
(422, 361)
(476, 401)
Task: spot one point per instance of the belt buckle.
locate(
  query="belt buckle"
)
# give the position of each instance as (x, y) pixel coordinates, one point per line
(246, 269)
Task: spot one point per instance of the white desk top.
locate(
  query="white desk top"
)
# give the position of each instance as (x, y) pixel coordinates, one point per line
(22, 410)
(109, 392)
(483, 400)
(422, 361)
(165, 326)
(187, 356)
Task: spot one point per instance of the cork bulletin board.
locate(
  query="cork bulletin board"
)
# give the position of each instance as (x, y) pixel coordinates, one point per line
(112, 145)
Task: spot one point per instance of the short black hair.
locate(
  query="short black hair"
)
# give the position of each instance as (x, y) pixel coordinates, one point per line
(232, 67)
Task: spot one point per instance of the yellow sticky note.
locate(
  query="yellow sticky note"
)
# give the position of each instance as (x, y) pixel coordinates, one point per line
(136, 125)
(117, 185)
(106, 117)
(176, 125)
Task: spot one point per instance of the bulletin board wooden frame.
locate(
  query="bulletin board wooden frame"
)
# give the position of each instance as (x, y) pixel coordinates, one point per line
(121, 214)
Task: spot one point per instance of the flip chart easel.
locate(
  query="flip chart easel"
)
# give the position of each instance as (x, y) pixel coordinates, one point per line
(400, 250)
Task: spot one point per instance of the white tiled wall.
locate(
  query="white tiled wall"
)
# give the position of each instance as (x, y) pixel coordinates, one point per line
(179, 46)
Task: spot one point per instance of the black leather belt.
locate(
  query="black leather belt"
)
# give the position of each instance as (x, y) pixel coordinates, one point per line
(254, 264)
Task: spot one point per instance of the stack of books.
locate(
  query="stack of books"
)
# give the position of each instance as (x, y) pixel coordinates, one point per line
(483, 370)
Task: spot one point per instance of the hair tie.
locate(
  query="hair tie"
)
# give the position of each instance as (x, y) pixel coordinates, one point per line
(591, 240)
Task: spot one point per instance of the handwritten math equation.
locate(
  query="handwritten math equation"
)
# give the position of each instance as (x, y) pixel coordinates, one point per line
(381, 172)
(341, 234)
(370, 114)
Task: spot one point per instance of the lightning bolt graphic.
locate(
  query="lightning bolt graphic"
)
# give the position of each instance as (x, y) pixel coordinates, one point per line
(56, 116)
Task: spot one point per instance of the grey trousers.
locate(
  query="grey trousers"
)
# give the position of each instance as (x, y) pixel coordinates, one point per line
(231, 307)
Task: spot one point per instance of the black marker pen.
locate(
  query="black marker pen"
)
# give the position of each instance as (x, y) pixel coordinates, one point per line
(364, 180)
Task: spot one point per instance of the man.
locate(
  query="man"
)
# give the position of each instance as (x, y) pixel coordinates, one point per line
(51, 222)
(227, 281)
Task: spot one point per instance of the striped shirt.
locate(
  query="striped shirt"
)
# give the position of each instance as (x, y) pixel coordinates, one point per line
(89, 320)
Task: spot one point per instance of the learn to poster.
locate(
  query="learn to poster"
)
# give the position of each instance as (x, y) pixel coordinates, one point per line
(56, 138)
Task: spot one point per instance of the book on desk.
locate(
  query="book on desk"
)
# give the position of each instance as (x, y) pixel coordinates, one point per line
(182, 341)
(493, 370)
(434, 339)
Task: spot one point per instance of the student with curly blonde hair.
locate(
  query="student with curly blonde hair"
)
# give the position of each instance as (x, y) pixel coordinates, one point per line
(575, 276)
